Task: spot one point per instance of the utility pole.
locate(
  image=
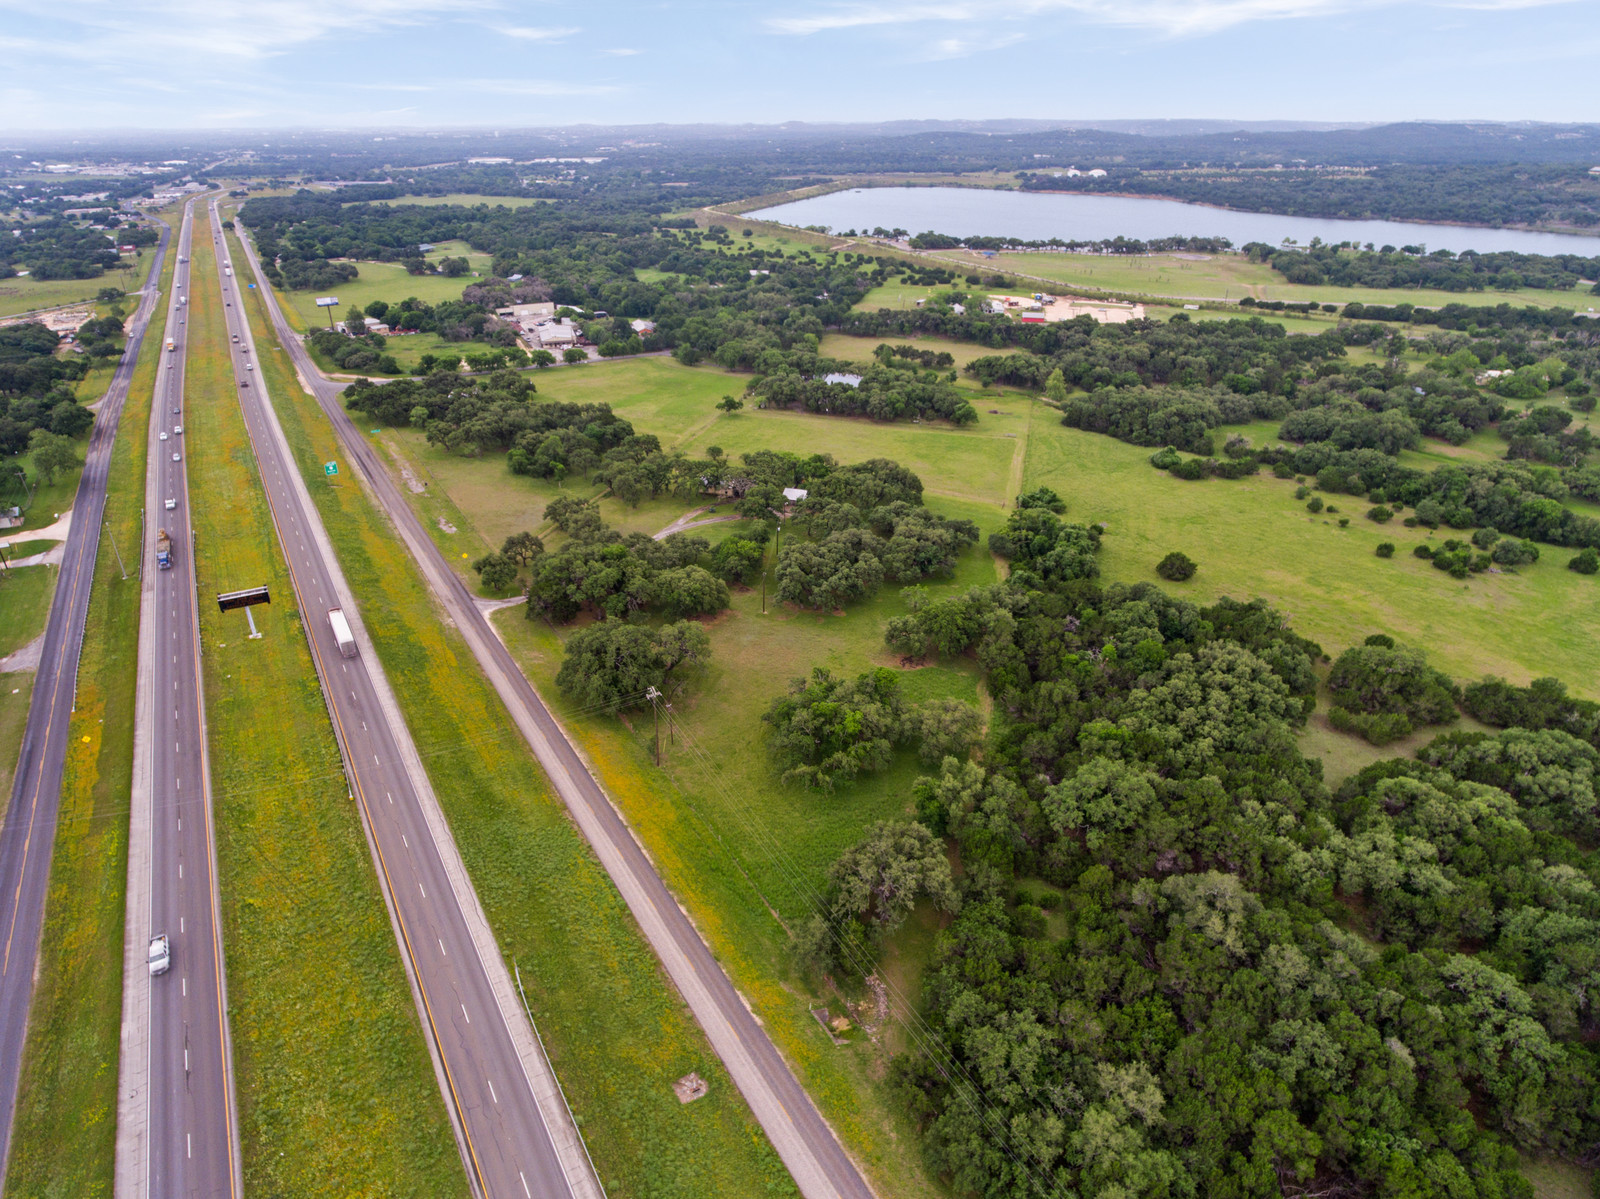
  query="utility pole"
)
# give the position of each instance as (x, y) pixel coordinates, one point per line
(653, 695)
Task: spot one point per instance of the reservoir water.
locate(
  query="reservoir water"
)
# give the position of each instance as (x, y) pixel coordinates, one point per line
(1035, 216)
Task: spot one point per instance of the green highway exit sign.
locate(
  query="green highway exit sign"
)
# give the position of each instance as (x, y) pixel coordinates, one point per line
(330, 468)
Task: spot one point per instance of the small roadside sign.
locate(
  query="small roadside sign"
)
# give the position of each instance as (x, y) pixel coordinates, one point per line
(330, 468)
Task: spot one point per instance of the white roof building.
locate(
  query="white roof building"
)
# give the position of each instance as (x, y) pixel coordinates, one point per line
(795, 494)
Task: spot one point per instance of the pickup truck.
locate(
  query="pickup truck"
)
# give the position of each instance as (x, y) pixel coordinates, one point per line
(160, 954)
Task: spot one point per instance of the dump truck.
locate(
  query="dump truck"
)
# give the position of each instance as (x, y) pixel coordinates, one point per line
(342, 633)
(163, 550)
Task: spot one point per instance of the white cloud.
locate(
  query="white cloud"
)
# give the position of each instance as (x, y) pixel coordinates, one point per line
(160, 30)
(621, 52)
(1174, 18)
(945, 48)
(535, 33)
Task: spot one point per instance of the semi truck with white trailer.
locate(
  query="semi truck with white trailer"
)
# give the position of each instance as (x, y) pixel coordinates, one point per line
(341, 632)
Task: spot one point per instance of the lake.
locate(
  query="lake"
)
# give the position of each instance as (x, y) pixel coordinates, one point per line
(1034, 216)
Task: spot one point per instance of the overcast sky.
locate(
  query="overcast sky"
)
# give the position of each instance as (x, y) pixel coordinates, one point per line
(189, 63)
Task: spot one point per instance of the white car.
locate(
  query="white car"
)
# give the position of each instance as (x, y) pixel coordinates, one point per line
(160, 954)
(249, 366)
(177, 429)
(163, 435)
(171, 504)
(177, 457)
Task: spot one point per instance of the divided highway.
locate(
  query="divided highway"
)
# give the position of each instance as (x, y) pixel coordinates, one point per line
(177, 1129)
(27, 838)
(516, 1137)
(802, 1138)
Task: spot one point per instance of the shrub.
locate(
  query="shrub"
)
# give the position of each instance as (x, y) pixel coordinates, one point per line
(1191, 469)
(1381, 513)
(1485, 537)
(1314, 504)
(1344, 521)
(1586, 563)
(1373, 681)
(1381, 640)
(1385, 549)
(1301, 492)
(1423, 551)
(1176, 567)
(1511, 551)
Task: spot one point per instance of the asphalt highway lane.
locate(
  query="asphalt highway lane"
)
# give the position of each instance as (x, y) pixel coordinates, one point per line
(27, 838)
(803, 1139)
(191, 1111)
(506, 1145)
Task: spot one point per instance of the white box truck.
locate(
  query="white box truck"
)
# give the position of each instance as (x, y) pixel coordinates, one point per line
(341, 632)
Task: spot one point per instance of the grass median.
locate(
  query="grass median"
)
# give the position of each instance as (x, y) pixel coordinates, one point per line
(64, 1139)
(336, 1090)
(616, 1031)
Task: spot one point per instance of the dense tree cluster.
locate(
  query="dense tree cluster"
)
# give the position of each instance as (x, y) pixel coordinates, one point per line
(879, 392)
(828, 731)
(598, 570)
(1434, 189)
(611, 665)
(1183, 418)
(58, 249)
(1179, 966)
(353, 353)
(35, 387)
(1349, 266)
(1384, 691)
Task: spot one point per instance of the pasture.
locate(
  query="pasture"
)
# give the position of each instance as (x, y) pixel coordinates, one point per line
(1224, 277)
(742, 849)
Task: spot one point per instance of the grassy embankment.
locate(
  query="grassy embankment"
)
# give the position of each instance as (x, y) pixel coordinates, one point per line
(616, 1031)
(337, 1094)
(1250, 537)
(64, 1140)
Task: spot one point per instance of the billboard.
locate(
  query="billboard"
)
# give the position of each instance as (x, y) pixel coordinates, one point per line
(327, 301)
(243, 599)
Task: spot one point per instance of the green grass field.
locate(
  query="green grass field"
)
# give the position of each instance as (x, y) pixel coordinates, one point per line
(336, 1090)
(25, 293)
(1224, 277)
(64, 1139)
(734, 842)
(16, 691)
(24, 604)
(616, 1032)
(378, 281)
